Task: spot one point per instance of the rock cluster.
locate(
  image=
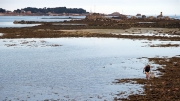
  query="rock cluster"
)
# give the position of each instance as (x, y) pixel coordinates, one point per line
(25, 22)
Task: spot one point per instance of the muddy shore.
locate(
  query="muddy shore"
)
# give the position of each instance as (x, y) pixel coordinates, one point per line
(132, 33)
(164, 87)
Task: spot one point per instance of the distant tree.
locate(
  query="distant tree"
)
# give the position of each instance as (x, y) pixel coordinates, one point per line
(53, 10)
(33, 10)
(2, 10)
(17, 11)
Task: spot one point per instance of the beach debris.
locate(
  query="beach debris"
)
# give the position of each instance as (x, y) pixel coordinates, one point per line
(175, 63)
(152, 76)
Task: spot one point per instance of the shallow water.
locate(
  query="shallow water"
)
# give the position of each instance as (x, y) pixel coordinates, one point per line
(150, 34)
(7, 21)
(73, 68)
(11, 24)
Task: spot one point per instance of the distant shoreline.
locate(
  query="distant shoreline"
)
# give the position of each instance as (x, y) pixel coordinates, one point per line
(16, 14)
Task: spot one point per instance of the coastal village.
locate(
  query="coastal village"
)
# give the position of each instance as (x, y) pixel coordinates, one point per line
(115, 15)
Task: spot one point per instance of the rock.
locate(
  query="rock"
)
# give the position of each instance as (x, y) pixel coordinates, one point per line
(175, 64)
(152, 75)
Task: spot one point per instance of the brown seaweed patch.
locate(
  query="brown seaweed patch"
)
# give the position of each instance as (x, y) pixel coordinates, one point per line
(131, 81)
(54, 45)
(165, 45)
(29, 43)
(9, 45)
(164, 88)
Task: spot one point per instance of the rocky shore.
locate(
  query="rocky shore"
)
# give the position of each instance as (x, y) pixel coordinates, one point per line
(97, 21)
(164, 88)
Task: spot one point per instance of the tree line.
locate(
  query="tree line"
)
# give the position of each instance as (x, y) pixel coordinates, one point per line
(46, 10)
(2, 10)
(52, 10)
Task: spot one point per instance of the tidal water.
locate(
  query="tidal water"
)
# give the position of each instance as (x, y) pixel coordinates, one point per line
(75, 69)
(7, 21)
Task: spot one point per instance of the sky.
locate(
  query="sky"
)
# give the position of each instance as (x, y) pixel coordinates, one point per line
(129, 7)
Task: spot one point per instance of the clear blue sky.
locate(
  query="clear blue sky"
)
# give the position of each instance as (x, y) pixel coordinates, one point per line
(132, 7)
